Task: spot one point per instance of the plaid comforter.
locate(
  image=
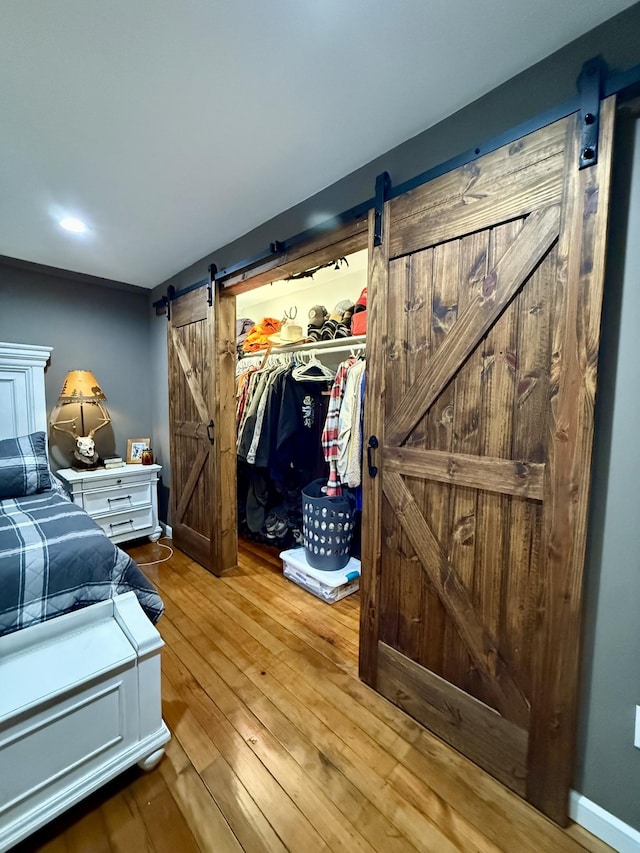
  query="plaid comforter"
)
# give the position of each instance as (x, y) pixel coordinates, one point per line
(54, 559)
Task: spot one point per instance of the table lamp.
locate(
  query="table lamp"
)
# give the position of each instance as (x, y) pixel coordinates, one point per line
(81, 386)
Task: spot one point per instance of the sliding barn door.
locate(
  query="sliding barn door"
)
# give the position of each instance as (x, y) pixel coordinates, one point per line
(485, 311)
(201, 346)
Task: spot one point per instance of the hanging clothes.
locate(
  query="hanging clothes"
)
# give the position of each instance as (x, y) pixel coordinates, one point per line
(342, 434)
(303, 411)
(331, 427)
(349, 429)
(281, 409)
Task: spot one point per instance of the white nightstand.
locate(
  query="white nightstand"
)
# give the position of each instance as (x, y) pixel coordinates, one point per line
(123, 501)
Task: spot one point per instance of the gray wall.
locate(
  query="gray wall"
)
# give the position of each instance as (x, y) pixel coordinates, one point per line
(90, 326)
(608, 766)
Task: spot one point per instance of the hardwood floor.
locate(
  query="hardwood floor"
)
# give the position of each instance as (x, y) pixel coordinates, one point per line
(278, 746)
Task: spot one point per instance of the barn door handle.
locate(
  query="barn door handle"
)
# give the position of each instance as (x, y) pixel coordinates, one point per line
(371, 445)
(210, 429)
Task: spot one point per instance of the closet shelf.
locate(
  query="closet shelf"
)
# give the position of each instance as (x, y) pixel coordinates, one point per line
(335, 345)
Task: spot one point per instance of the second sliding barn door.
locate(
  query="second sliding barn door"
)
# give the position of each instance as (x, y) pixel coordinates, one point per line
(485, 301)
(201, 351)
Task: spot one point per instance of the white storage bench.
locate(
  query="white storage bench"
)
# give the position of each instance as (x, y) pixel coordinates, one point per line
(80, 702)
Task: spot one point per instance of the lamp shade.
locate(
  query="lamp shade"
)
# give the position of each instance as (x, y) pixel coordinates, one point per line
(81, 386)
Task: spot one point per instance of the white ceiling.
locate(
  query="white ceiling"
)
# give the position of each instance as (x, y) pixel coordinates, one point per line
(174, 126)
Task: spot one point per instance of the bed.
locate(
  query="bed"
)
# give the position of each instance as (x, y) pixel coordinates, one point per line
(80, 693)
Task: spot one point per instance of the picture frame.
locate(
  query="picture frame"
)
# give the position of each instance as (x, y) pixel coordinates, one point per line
(135, 446)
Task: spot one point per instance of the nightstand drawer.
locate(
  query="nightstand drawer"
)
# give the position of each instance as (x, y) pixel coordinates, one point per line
(126, 523)
(125, 496)
(117, 480)
(123, 501)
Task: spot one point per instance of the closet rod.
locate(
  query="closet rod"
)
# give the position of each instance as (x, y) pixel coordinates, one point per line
(344, 348)
(333, 345)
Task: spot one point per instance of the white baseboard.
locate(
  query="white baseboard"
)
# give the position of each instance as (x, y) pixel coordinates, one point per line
(167, 530)
(604, 825)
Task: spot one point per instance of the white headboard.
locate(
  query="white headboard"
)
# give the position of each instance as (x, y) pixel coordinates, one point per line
(22, 402)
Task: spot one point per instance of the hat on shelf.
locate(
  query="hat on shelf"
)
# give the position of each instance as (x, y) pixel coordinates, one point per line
(317, 315)
(289, 334)
(344, 307)
(359, 319)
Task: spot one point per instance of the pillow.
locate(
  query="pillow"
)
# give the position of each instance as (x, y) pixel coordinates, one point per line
(24, 467)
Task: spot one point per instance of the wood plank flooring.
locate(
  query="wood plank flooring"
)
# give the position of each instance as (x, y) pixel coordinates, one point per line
(277, 746)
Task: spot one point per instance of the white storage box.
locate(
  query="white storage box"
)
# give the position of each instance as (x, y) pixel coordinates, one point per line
(329, 586)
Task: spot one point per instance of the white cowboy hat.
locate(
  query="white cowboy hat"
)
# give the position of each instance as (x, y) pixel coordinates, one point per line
(288, 335)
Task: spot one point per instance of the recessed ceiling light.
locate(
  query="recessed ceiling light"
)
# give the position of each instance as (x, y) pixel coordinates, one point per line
(71, 223)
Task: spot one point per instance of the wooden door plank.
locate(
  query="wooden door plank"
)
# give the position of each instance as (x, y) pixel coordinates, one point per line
(458, 667)
(499, 287)
(499, 362)
(371, 563)
(401, 573)
(425, 613)
(190, 374)
(190, 308)
(193, 543)
(507, 197)
(581, 251)
(443, 320)
(457, 601)
(190, 484)
(437, 426)
(190, 429)
(476, 180)
(507, 476)
(531, 405)
(490, 740)
(224, 465)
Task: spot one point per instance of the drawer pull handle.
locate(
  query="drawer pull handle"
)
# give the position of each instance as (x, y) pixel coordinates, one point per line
(123, 498)
(120, 523)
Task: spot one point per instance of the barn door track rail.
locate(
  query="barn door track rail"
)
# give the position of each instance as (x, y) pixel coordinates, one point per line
(593, 85)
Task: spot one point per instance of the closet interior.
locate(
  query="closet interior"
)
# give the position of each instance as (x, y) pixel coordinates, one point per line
(300, 378)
